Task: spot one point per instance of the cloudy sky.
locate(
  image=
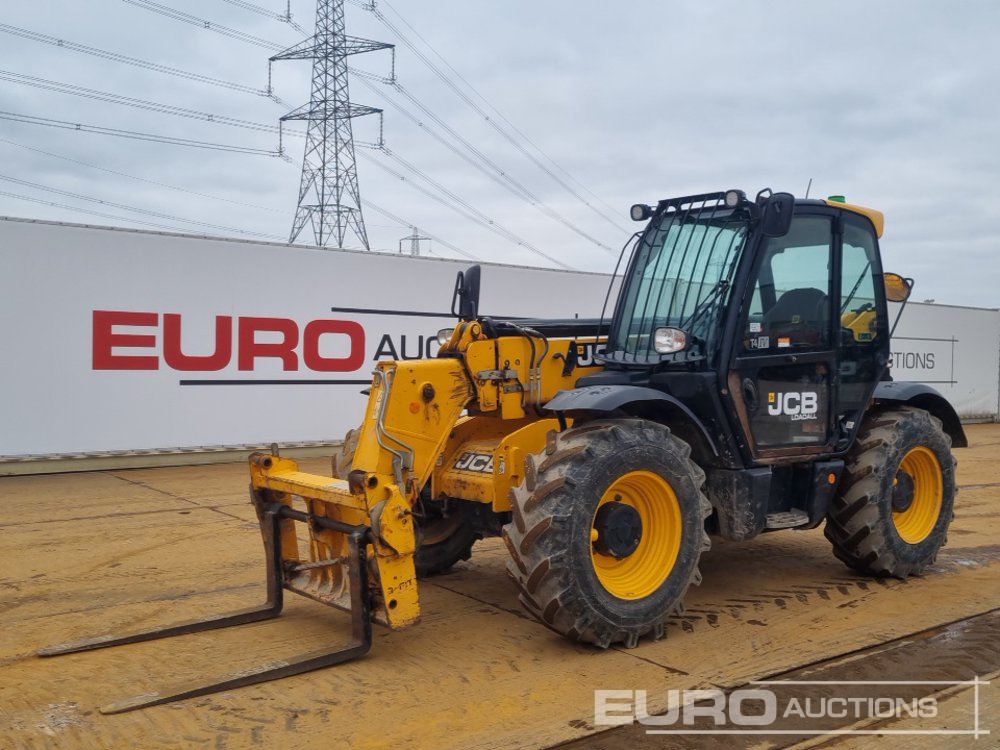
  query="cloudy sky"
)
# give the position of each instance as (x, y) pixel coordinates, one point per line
(892, 104)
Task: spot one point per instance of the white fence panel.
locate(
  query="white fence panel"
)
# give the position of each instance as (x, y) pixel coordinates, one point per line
(125, 340)
(954, 349)
(118, 340)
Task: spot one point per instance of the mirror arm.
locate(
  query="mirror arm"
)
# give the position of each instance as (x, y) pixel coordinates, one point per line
(902, 306)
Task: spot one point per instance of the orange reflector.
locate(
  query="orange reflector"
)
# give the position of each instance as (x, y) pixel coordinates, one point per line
(414, 407)
(831, 478)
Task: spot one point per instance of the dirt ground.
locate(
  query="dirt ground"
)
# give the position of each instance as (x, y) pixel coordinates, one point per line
(87, 553)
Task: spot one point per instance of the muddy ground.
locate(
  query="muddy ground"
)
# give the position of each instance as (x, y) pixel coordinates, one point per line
(86, 553)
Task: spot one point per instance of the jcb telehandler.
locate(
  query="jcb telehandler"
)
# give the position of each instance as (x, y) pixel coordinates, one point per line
(741, 385)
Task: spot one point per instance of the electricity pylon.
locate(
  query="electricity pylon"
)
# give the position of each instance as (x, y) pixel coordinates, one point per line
(329, 199)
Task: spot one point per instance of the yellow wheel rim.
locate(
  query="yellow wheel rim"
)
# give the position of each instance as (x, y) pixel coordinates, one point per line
(642, 572)
(917, 522)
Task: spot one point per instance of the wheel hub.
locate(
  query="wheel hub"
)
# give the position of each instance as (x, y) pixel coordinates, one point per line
(903, 492)
(619, 529)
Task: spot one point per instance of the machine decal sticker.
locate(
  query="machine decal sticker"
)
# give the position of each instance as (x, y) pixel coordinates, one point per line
(799, 406)
(479, 462)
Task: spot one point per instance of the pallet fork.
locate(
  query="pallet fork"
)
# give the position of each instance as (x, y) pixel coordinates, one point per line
(281, 575)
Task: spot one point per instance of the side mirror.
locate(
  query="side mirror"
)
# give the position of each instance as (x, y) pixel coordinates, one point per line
(897, 289)
(776, 219)
(466, 296)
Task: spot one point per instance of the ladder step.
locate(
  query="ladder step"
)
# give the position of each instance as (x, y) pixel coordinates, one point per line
(787, 519)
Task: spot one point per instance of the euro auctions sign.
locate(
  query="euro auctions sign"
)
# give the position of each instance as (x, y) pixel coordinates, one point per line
(161, 343)
(803, 708)
(122, 340)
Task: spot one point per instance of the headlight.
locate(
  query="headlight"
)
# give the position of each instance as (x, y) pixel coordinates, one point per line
(640, 212)
(444, 336)
(669, 340)
(734, 198)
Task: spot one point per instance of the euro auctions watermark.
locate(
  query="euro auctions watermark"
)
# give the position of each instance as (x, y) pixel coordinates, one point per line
(802, 707)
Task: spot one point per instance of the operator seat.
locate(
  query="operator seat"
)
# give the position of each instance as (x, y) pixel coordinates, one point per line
(801, 314)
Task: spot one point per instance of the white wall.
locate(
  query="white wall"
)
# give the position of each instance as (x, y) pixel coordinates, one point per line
(67, 388)
(55, 276)
(954, 349)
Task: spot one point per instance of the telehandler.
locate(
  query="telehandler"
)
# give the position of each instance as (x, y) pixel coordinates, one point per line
(741, 385)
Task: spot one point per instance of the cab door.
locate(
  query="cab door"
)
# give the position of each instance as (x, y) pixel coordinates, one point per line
(782, 373)
(863, 324)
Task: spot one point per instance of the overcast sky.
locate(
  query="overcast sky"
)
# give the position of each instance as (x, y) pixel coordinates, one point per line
(893, 104)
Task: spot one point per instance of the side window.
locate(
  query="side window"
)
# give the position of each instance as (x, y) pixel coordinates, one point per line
(790, 303)
(859, 275)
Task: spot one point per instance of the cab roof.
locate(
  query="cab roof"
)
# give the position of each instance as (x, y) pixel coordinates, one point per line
(876, 217)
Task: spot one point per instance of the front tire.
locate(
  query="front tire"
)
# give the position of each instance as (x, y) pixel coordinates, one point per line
(892, 513)
(607, 531)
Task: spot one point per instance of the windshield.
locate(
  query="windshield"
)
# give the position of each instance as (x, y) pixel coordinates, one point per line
(680, 276)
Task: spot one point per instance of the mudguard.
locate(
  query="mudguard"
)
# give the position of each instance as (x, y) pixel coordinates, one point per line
(608, 398)
(924, 397)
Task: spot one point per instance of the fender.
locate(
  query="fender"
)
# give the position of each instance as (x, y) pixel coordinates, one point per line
(926, 398)
(608, 398)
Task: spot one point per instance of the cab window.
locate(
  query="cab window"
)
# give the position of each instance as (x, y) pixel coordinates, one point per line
(789, 307)
(860, 275)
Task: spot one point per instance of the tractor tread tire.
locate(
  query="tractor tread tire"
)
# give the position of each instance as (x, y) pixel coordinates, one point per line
(434, 559)
(859, 522)
(429, 559)
(551, 584)
(344, 456)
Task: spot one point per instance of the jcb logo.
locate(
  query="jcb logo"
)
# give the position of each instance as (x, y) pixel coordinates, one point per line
(585, 353)
(793, 404)
(481, 462)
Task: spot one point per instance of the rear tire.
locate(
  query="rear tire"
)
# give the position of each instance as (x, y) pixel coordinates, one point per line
(892, 512)
(344, 456)
(589, 568)
(442, 540)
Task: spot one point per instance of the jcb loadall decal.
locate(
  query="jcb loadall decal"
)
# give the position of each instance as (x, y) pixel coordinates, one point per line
(797, 405)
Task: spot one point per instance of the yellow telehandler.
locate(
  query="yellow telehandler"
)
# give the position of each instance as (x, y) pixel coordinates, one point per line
(740, 385)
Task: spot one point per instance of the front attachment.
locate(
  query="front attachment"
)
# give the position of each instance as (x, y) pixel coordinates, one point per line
(283, 570)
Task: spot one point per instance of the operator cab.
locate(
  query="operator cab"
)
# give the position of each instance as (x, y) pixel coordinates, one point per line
(812, 330)
(770, 313)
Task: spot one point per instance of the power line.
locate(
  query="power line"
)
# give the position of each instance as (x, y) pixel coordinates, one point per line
(146, 212)
(490, 105)
(515, 187)
(497, 178)
(287, 18)
(136, 62)
(104, 96)
(180, 111)
(385, 212)
(134, 135)
(80, 209)
(178, 15)
(489, 120)
(140, 179)
(368, 204)
(463, 207)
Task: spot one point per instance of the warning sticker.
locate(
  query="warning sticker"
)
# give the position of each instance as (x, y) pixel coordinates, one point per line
(784, 342)
(755, 328)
